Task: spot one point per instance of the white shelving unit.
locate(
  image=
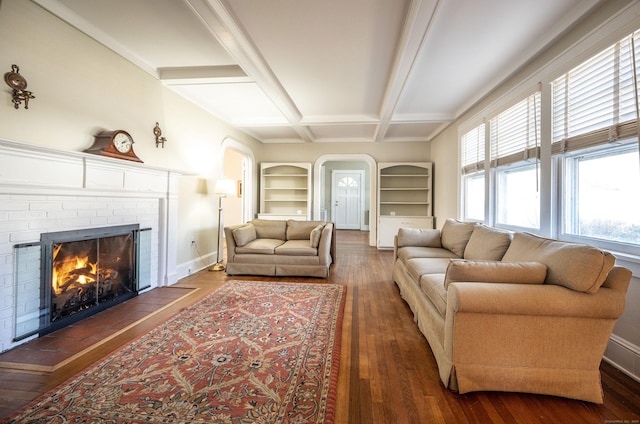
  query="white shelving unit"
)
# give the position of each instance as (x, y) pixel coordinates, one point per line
(285, 191)
(404, 198)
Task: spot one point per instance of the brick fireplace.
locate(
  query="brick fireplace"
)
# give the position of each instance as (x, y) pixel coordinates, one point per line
(45, 191)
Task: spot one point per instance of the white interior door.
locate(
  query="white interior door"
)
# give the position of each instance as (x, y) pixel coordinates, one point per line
(346, 199)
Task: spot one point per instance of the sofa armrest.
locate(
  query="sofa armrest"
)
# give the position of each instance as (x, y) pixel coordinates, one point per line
(541, 300)
(326, 246)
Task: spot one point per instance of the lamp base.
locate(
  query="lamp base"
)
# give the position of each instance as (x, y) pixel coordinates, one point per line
(217, 267)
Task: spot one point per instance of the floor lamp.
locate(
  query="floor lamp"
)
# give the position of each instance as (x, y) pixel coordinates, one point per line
(224, 187)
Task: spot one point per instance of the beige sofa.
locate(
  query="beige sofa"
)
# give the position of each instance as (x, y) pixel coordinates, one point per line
(279, 247)
(511, 312)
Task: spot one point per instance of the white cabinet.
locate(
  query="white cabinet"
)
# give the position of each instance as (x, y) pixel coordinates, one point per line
(404, 198)
(388, 227)
(285, 191)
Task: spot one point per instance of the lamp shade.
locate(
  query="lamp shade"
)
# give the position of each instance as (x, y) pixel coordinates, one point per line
(226, 187)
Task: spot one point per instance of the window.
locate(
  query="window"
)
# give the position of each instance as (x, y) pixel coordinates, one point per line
(518, 199)
(595, 140)
(472, 161)
(602, 199)
(515, 141)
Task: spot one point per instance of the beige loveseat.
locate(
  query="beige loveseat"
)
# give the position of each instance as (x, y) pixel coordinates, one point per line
(511, 312)
(279, 247)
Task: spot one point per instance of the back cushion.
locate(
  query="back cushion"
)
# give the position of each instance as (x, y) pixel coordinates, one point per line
(455, 235)
(487, 243)
(300, 230)
(575, 266)
(418, 237)
(271, 229)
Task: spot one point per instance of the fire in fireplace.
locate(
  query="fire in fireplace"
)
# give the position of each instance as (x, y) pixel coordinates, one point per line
(84, 272)
(89, 272)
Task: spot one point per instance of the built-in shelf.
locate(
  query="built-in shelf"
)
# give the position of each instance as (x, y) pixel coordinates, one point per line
(404, 198)
(285, 190)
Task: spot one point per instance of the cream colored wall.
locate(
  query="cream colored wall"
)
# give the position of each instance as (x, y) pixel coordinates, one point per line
(233, 170)
(81, 88)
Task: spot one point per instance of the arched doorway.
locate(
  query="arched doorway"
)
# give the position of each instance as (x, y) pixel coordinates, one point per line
(318, 187)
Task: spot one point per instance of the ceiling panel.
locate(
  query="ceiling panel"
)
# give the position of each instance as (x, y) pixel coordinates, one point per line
(163, 33)
(345, 132)
(240, 104)
(411, 131)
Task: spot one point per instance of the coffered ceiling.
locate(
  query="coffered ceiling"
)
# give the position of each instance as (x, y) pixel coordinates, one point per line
(327, 70)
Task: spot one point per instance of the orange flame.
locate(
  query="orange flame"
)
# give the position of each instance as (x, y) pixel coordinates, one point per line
(71, 271)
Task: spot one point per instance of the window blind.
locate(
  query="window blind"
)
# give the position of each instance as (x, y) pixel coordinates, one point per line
(594, 103)
(515, 132)
(472, 150)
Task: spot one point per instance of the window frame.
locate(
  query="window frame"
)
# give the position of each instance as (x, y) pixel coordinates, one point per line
(564, 177)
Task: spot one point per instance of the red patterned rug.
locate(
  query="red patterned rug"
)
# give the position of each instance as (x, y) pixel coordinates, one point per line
(250, 352)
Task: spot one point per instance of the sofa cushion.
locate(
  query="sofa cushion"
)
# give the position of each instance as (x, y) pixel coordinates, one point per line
(316, 234)
(418, 267)
(270, 229)
(245, 234)
(419, 237)
(455, 235)
(300, 230)
(432, 285)
(263, 246)
(495, 272)
(410, 252)
(575, 266)
(296, 248)
(487, 243)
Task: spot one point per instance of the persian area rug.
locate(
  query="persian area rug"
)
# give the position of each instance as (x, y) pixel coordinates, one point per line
(250, 352)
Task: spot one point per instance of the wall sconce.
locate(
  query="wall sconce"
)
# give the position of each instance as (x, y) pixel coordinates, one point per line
(19, 85)
(158, 133)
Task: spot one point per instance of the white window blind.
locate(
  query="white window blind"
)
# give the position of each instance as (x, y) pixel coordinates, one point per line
(515, 132)
(472, 150)
(594, 103)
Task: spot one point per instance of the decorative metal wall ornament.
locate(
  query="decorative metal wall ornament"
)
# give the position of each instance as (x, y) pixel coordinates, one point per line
(18, 84)
(158, 133)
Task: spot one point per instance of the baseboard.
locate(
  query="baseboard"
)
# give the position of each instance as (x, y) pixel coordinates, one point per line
(190, 267)
(624, 356)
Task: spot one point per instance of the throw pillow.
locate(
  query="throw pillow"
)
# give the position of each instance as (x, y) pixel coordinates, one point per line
(579, 267)
(487, 243)
(418, 237)
(455, 235)
(245, 234)
(314, 238)
(495, 272)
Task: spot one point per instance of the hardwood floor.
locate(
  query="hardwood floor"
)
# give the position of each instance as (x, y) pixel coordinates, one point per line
(387, 372)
